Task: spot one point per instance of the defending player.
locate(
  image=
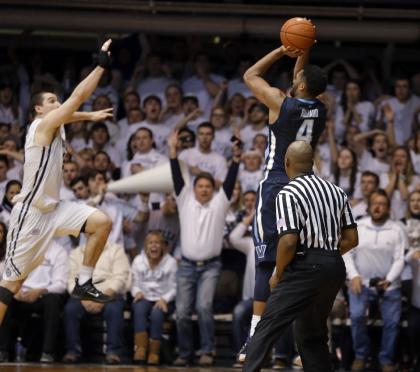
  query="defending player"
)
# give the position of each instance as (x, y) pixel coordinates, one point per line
(38, 215)
(299, 117)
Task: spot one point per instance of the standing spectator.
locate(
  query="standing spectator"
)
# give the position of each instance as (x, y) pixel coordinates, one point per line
(251, 174)
(153, 290)
(345, 173)
(42, 292)
(13, 188)
(237, 85)
(77, 135)
(112, 275)
(100, 141)
(352, 111)
(415, 153)
(103, 102)
(193, 115)
(4, 168)
(10, 112)
(10, 147)
(412, 224)
(260, 142)
(173, 112)
(369, 182)
(374, 268)
(131, 101)
(223, 132)
(376, 159)
(202, 213)
(70, 172)
(235, 110)
(399, 181)
(104, 88)
(258, 117)
(186, 139)
(202, 158)
(404, 106)
(203, 83)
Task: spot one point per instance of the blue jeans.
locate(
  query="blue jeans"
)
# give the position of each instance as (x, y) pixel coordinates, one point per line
(390, 306)
(144, 311)
(196, 285)
(114, 319)
(242, 314)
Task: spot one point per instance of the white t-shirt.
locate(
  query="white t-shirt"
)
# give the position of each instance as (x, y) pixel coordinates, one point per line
(367, 112)
(66, 193)
(415, 159)
(108, 91)
(360, 210)
(15, 173)
(248, 134)
(153, 86)
(7, 116)
(221, 143)
(196, 86)
(210, 162)
(160, 133)
(404, 115)
(148, 160)
(368, 163)
(250, 180)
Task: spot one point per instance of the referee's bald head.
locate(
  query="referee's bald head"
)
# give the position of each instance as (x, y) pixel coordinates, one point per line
(299, 158)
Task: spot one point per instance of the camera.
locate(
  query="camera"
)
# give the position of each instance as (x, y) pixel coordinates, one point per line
(374, 283)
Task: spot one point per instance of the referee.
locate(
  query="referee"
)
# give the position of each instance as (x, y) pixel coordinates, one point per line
(315, 227)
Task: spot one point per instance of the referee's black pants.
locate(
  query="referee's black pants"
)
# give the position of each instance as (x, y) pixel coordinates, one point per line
(305, 295)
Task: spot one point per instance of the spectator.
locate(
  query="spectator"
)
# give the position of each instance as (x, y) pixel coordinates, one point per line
(70, 172)
(10, 148)
(235, 110)
(237, 84)
(252, 173)
(10, 112)
(77, 135)
(3, 245)
(404, 106)
(153, 291)
(112, 275)
(102, 163)
(345, 172)
(260, 142)
(84, 159)
(369, 183)
(131, 101)
(352, 111)
(4, 168)
(412, 225)
(399, 181)
(258, 117)
(104, 89)
(42, 292)
(234, 214)
(374, 269)
(415, 153)
(193, 115)
(202, 213)
(13, 188)
(186, 139)
(102, 102)
(100, 141)
(173, 112)
(203, 83)
(223, 132)
(202, 158)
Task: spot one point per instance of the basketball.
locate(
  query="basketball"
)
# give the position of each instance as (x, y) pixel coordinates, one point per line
(298, 33)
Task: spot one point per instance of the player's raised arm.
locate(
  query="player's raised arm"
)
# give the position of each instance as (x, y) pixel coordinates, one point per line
(61, 115)
(301, 62)
(270, 96)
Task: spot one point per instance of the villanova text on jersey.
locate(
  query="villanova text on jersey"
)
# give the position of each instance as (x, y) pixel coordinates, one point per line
(299, 120)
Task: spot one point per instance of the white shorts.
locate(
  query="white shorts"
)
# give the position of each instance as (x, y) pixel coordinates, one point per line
(31, 231)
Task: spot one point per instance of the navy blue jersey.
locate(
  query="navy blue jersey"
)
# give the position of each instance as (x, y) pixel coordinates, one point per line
(299, 119)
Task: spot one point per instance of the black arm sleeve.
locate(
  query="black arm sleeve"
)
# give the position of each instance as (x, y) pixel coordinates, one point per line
(230, 180)
(177, 178)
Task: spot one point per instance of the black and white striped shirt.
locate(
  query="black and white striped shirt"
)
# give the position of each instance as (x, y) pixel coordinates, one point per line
(315, 209)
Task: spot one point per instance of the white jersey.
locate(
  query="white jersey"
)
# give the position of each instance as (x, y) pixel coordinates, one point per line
(42, 171)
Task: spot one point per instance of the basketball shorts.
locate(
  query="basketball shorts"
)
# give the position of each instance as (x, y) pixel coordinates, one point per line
(31, 231)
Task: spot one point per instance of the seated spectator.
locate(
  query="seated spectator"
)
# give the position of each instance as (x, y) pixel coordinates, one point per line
(100, 141)
(102, 102)
(223, 132)
(112, 276)
(415, 153)
(153, 290)
(202, 213)
(13, 188)
(10, 112)
(369, 183)
(258, 118)
(104, 88)
(235, 110)
(103, 164)
(203, 84)
(4, 168)
(374, 268)
(186, 139)
(84, 159)
(173, 111)
(42, 292)
(131, 101)
(412, 225)
(237, 85)
(10, 148)
(260, 142)
(399, 181)
(70, 172)
(77, 135)
(404, 106)
(202, 158)
(252, 173)
(352, 111)
(345, 173)
(4, 130)
(193, 115)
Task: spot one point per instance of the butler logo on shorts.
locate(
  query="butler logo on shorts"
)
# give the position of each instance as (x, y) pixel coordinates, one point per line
(261, 250)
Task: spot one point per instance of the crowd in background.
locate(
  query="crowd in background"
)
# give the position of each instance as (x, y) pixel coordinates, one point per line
(372, 142)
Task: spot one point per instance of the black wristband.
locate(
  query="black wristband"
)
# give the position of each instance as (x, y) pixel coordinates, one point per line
(104, 60)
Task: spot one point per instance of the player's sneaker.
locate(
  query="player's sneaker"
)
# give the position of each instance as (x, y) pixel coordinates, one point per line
(88, 292)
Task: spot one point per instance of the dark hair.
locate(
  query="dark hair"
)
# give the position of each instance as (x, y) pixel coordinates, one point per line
(129, 152)
(175, 85)
(249, 192)
(380, 192)
(152, 98)
(191, 98)
(145, 129)
(99, 125)
(343, 100)
(316, 80)
(353, 172)
(92, 174)
(78, 179)
(371, 174)
(102, 153)
(132, 93)
(3, 243)
(4, 159)
(189, 131)
(207, 176)
(206, 124)
(36, 100)
(12, 183)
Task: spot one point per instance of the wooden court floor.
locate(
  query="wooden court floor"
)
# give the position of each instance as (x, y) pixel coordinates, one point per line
(36, 367)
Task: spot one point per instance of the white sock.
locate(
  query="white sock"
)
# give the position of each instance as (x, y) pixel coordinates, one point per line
(254, 321)
(85, 274)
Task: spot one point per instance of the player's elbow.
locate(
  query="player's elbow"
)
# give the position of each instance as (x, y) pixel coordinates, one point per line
(248, 75)
(350, 238)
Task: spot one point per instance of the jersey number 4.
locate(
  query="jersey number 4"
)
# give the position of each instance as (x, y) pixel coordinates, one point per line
(305, 131)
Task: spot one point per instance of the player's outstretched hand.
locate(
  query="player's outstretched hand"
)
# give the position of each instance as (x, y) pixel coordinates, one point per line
(293, 52)
(102, 115)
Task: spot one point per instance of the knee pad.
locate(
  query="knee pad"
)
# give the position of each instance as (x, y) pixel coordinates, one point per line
(6, 296)
(263, 273)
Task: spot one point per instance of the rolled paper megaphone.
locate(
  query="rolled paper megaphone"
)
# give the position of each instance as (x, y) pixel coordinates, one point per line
(157, 179)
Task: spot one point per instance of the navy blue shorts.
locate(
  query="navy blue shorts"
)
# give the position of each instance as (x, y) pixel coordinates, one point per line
(264, 228)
